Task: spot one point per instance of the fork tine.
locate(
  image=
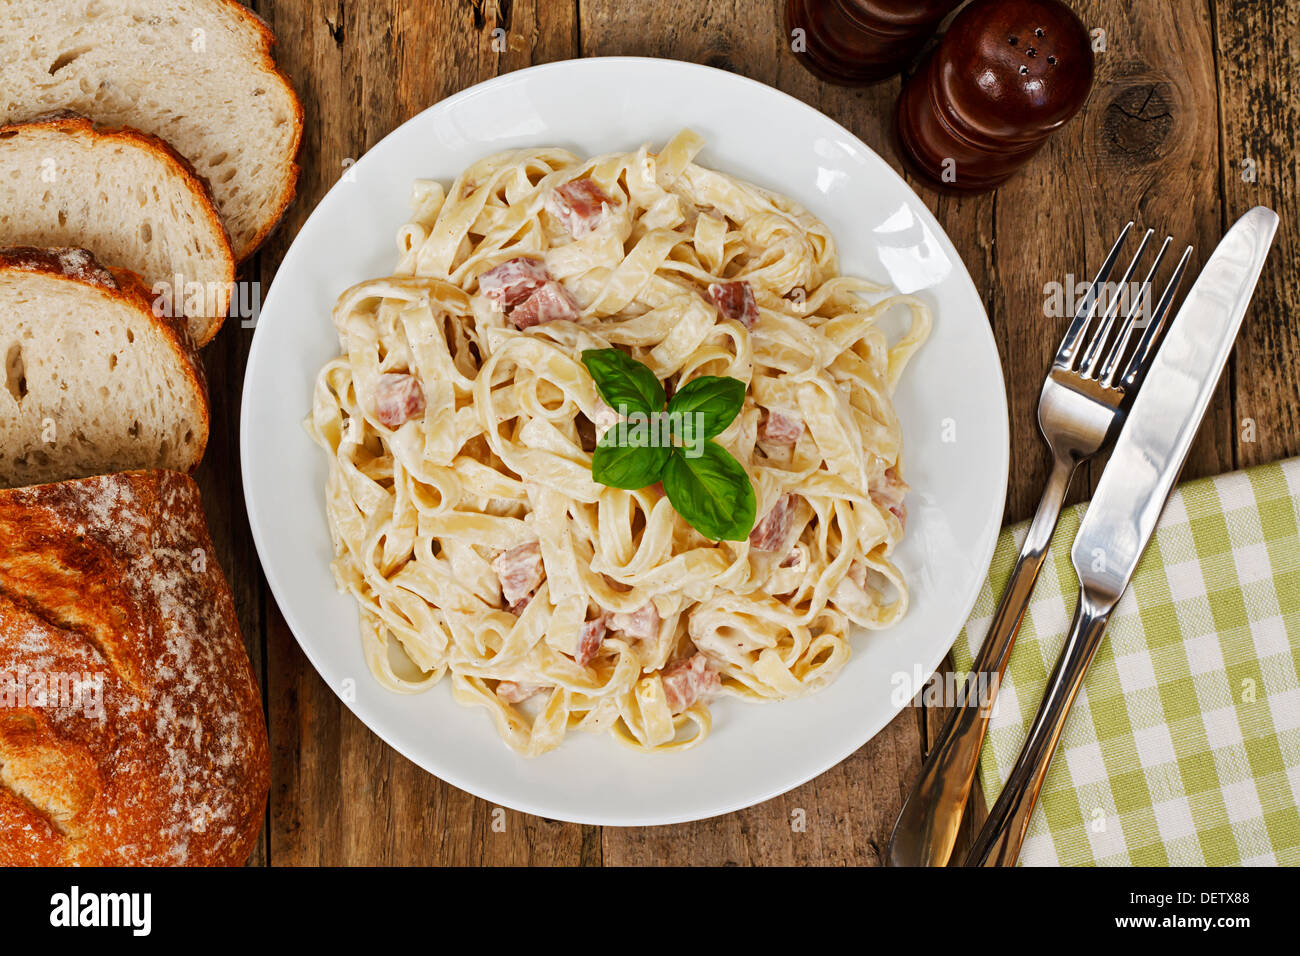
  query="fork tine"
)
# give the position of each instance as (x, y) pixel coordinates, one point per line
(1092, 355)
(1146, 345)
(1110, 366)
(1074, 334)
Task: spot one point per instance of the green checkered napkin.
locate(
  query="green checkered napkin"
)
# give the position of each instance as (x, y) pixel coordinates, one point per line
(1183, 748)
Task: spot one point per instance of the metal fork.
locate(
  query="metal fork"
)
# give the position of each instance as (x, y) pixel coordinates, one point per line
(1079, 410)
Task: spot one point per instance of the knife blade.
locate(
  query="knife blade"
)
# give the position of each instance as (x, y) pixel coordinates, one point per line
(1122, 516)
(1166, 415)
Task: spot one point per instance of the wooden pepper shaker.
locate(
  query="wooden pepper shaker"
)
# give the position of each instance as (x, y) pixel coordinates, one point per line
(861, 41)
(1007, 74)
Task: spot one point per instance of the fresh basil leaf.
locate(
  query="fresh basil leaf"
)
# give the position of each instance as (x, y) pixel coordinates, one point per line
(712, 492)
(709, 403)
(624, 383)
(627, 466)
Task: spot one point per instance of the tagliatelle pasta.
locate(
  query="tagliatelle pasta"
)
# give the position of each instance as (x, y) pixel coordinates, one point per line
(459, 422)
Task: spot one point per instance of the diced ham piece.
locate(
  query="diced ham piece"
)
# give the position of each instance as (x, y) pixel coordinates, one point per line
(643, 623)
(398, 398)
(520, 570)
(792, 560)
(578, 205)
(515, 693)
(513, 281)
(552, 301)
(590, 638)
(687, 681)
(781, 429)
(518, 607)
(890, 495)
(735, 300)
(770, 533)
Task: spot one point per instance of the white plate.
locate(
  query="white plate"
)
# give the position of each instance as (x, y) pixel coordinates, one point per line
(951, 402)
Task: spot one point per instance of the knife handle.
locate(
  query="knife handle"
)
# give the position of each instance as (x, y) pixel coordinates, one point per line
(999, 842)
(927, 825)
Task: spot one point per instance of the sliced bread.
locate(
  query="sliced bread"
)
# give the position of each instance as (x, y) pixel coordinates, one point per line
(128, 198)
(197, 73)
(93, 381)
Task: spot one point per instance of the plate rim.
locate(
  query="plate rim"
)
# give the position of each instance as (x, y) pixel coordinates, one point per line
(982, 559)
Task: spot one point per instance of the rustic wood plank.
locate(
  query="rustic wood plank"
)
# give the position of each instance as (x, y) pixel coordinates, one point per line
(1258, 54)
(841, 818)
(339, 794)
(223, 498)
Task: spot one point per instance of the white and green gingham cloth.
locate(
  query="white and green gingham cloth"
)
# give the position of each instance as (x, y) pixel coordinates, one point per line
(1183, 748)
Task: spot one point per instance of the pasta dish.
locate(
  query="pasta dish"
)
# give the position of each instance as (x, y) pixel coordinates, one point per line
(463, 420)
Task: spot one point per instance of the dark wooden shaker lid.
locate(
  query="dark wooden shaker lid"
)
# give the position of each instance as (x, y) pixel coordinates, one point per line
(1005, 76)
(1014, 70)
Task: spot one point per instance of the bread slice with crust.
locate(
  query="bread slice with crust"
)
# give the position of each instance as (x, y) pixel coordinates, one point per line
(197, 73)
(129, 199)
(91, 381)
(132, 729)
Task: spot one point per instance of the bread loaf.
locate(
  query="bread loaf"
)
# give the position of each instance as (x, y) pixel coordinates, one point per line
(92, 381)
(111, 582)
(197, 73)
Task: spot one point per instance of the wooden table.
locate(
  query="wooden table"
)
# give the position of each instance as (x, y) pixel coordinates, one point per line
(1191, 122)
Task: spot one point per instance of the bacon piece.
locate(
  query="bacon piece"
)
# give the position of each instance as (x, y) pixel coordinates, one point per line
(516, 693)
(552, 301)
(579, 204)
(770, 533)
(890, 495)
(398, 398)
(735, 300)
(590, 638)
(687, 681)
(513, 281)
(520, 570)
(781, 429)
(642, 623)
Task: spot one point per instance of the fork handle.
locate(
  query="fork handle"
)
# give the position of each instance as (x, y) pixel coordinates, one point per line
(927, 825)
(999, 842)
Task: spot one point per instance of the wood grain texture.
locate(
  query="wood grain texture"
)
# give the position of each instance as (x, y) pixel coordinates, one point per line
(340, 795)
(1180, 102)
(1258, 55)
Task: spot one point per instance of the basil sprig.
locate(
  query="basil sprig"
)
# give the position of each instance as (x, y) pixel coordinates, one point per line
(704, 483)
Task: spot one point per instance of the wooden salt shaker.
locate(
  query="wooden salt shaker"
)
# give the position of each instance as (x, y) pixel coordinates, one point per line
(1007, 74)
(861, 41)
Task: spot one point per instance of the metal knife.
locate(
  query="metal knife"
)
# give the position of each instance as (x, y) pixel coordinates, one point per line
(1133, 491)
